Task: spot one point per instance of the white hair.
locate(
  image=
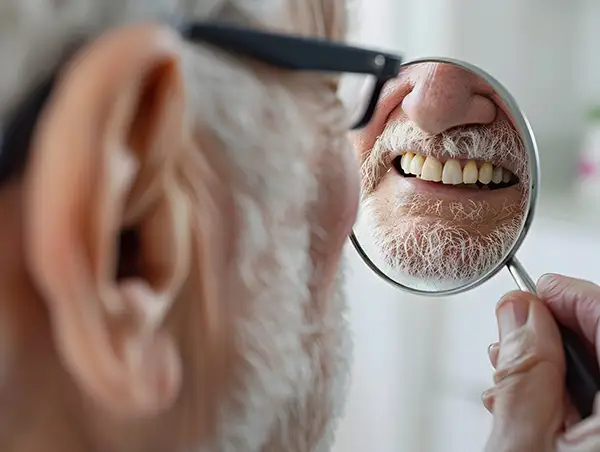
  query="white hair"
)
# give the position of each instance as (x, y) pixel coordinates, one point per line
(35, 33)
(247, 112)
(286, 403)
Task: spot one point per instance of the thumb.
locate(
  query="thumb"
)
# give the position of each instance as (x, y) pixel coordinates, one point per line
(529, 394)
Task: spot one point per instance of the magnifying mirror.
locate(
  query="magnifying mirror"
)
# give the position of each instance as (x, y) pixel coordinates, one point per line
(450, 176)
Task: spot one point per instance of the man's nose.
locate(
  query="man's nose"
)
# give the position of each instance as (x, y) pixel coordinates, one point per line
(445, 96)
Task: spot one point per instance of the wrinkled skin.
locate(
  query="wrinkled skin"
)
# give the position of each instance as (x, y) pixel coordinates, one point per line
(531, 409)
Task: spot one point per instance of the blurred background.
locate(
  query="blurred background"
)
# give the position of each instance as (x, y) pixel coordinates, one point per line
(420, 364)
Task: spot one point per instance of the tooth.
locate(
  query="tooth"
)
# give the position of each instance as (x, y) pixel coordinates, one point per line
(485, 173)
(416, 165)
(452, 173)
(497, 175)
(405, 161)
(432, 170)
(470, 172)
(506, 176)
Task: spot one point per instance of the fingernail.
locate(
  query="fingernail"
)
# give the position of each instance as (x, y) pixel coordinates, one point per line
(545, 279)
(492, 349)
(487, 394)
(546, 276)
(512, 315)
(487, 399)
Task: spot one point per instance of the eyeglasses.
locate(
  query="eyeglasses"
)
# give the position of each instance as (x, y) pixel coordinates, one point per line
(364, 74)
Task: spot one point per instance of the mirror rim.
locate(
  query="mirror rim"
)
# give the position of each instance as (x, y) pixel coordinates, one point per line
(524, 127)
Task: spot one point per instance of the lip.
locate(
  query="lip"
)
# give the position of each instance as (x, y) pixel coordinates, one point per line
(450, 192)
(443, 156)
(390, 106)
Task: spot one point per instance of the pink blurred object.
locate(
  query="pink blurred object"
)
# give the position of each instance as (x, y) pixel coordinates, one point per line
(587, 168)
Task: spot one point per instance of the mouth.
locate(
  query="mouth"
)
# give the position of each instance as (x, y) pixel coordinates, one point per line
(468, 174)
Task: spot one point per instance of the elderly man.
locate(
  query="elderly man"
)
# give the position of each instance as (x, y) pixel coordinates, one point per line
(444, 177)
(174, 204)
(172, 223)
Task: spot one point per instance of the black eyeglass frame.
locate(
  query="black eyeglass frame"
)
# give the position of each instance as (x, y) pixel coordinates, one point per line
(290, 52)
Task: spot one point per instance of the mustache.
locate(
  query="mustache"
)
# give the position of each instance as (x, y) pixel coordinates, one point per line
(498, 143)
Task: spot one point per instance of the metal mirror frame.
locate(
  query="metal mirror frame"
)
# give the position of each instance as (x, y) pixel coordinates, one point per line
(524, 128)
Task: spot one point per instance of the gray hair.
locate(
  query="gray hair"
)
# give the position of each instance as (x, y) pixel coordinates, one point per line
(267, 127)
(35, 33)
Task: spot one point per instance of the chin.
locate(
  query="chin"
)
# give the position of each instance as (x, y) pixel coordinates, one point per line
(432, 252)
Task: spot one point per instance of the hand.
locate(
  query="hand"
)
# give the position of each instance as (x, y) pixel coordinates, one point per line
(529, 404)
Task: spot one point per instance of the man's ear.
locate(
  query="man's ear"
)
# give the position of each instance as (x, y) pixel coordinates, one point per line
(107, 227)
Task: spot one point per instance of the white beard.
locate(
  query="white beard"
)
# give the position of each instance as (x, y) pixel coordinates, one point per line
(436, 255)
(414, 255)
(287, 401)
(295, 345)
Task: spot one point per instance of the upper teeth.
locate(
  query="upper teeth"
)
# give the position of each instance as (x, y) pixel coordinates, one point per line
(452, 172)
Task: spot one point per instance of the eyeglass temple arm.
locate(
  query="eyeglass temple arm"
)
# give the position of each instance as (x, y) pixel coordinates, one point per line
(583, 374)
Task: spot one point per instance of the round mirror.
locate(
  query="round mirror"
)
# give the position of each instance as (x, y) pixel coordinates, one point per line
(449, 171)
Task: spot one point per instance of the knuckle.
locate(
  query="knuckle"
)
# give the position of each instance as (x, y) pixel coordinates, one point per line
(513, 368)
(518, 355)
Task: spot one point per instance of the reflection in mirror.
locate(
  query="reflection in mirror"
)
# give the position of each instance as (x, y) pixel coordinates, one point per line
(445, 177)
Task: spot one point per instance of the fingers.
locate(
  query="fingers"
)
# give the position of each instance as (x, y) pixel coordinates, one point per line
(574, 303)
(571, 415)
(487, 398)
(581, 437)
(493, 351)
(528, 398)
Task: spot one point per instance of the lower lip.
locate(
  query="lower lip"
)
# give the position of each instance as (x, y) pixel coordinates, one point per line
(449, 191)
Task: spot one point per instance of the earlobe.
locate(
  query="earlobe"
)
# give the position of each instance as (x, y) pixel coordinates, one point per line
(103, 162)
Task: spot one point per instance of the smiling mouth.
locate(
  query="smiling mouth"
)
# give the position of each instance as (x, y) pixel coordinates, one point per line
(468, 173)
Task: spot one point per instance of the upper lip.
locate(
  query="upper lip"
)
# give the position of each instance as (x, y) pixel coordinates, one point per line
(390, 101)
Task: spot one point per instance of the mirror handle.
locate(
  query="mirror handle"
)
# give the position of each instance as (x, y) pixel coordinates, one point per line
(583, 374)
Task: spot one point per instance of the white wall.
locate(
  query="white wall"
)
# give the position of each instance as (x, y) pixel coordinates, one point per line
(420, 364)
(531, 47)
(391, 367)
(587, 63)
